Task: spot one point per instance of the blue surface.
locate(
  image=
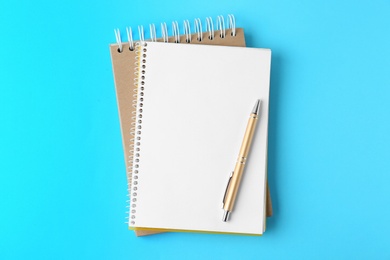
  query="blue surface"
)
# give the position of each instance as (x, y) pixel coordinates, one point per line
(62, 175)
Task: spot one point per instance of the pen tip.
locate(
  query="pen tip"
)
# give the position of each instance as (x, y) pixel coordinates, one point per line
(226, 215)
(256, 108)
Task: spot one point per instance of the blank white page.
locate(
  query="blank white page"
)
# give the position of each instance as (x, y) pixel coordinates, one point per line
(196, 104)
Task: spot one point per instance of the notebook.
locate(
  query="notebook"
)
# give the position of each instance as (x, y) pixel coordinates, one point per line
(123, 65)
(193, 105)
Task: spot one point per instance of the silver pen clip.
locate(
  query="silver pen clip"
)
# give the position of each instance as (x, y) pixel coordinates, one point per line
(227, 186)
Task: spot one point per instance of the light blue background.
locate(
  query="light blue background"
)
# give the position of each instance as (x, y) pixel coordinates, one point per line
(62, 174)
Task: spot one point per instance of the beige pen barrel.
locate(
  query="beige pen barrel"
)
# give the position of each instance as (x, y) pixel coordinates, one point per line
(235, 180)
(234, 184)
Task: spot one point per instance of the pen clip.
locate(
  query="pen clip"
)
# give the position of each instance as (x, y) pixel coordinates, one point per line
(227, 187)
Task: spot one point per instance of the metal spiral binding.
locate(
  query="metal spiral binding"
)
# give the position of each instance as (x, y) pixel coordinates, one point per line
(118, 39)
(176, 31)
(232, 24)
(187, 31)
(164, 32)
(220, 25)
(210, 27)
(139, 82)
(141, 33)
(129, 33)
(153, 36)
(198, 29)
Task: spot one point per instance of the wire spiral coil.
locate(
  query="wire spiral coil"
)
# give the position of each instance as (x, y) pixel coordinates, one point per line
(136, 130)
(197, 25)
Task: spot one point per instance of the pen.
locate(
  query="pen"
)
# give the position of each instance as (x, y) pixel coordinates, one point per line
(235, 177)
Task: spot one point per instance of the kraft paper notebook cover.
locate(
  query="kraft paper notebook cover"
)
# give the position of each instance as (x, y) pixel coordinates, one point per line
(123, 65)
(184, 151)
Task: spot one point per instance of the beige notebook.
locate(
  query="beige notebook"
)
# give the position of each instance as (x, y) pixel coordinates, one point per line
(123, 56)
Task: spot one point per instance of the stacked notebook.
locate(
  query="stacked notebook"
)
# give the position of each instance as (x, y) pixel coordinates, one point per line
(183, 111)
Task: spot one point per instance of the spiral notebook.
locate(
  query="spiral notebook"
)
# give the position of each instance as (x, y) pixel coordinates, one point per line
(122, 54)
(192, 109)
